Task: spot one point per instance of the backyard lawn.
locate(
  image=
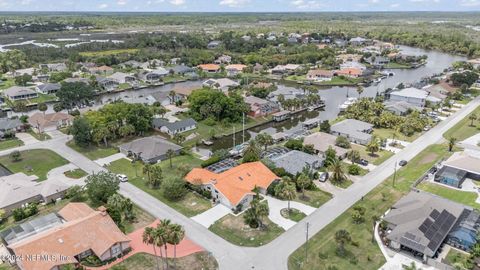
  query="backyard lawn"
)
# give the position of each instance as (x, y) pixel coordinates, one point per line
(7, 144)
(314, 198)
(463, 197)
(144, 261)
(458, 259)
(362, 253)
(37, 162)
(192, 204)
(463, 130)
(93, 152)
(233, 229)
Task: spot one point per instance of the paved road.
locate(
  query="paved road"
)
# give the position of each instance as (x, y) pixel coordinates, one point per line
(275, 254)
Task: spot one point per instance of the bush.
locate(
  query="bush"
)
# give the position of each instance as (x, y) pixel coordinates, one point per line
(354, 169)
(342, 142)
(210, 161)
(294, 144)
(210, 121)
(15, 156)
(174, 189)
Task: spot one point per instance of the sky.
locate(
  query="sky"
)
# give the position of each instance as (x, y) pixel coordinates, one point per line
(239, 5)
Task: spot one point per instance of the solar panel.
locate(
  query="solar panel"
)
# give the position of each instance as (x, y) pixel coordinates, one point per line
(434, 214)
(425, 225)
(429, 234)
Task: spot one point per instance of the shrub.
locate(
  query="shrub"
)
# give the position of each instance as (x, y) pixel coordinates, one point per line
(354, 169)
(15, 156)
(210, 121)
(210, 161)
(294, 144)
(174, 189)
(342, 142)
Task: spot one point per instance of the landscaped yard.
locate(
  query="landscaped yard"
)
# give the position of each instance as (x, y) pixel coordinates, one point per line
(377, 159)
(39, 136)
(463, 197)
(75, 174)
(233, 229)
(463, 130)
(458, 259)
(11, 143)
(394, 65)
(386, 133)
(192, 204)
(314, 198)
(93, 152)
(37, 162)
(294, 214)
(144, 261)
(364, 254)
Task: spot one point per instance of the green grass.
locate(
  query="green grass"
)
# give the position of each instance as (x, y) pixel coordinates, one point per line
(10, 143)
(233, 229)
(75, 174)
(344, 184)
(6, 266)
(192, 204)
(34, 162)
(294, 214)
(387, 133)
(42, 98)
(463, 130)
(109, 52)
(173, 78)
(93, 152)
(39, 136)
(341, 81)
(144, 261)
(7, 84)
(397, 65)
(322, 247)
(458, 259)
(314, 198)
(463, 197)
(377, 159)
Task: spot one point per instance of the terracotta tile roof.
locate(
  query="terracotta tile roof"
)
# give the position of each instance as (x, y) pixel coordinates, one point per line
(209, 67)
(94, 230)
(237, 182)
(320, 72)
(349, 71)
(74, 211)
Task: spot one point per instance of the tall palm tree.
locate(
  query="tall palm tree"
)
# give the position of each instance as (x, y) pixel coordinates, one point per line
(338, 175)
(264, 139)
(147, 169)
(170, 154)
(359, 90)
(164, 228)
(451, 143)
(158, 235)
(176, 235)
(472, 117)
(303, 181)
(286, 190)
(148, 238)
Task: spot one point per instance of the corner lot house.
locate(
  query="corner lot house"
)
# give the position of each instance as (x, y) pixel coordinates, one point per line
(174, 128)
(261, 107)
(19, 189)
(48, 88)
(149, 149)
(51, 121)
(354, 130)
(234, 187)
(75, 232)
(18, 93)
(322, 141)
(460, 166)
(413, 96)
(420, 222)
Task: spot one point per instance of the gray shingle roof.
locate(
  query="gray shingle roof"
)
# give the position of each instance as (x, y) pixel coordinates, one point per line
(150, 147)
(294, 161)
(159, 122)
(354, 128)
(47, 87)
(8, 124)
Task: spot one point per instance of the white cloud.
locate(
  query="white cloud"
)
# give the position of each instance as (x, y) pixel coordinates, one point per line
(305, 4)
(233, 3)
(103, 6)
(396, 5)
(424, 1)
(121, 2)
(4, 4)
(470, 3)
(25, 2)
(150, 2)
(177, 2)
(374, 1)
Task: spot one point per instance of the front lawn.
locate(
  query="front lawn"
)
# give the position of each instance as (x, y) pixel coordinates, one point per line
(294, 214)
(39, 136)
(75, 174)
(387, 133)
(38, 162)
(234, 230)
(377, 159)
(10, 143)
(93, 152)
(343, 184)
(463, 197)
(314, 198)
(143, 261)
(363, 254)
(192, 204)
(458, 259)
(463, 130)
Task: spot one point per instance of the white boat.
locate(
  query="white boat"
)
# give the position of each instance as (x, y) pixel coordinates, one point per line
(347, 103)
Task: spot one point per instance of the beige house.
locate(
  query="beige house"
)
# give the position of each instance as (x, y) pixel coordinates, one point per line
(51, 121)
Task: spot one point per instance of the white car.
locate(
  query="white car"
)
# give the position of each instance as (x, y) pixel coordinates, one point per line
(122, 177)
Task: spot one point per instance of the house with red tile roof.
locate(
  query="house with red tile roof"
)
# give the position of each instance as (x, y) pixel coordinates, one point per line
(235, 186)
(349, 72)
(82, 232)
(210, 68)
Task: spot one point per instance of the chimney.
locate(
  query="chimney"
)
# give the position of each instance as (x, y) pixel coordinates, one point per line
(103, 210)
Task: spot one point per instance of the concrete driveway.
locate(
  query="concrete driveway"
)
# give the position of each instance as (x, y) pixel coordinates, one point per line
(277, 205)
(26, 138)
(213, 214)
(110, 159)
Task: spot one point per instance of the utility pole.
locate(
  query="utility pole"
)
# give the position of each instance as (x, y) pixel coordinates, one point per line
(243, 128)
(234, 137)
(306, 242)
(394, 174)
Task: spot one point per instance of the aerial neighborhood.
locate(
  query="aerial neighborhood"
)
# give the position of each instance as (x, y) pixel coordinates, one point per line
(238, 141)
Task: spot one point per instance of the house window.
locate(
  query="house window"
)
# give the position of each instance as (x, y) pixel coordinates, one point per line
(116, 250)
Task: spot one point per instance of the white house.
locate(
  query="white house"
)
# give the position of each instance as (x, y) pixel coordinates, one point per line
(413, 96)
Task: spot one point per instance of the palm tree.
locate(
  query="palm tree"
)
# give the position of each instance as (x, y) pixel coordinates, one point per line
(148, 238)
(179, 138)
(338, 175)
(147, 169)
(353, 156)
(373, 146)
(359, 90)
(472, 117)
(342, 237)
(286, 190)
(451, 143)
(116, 201)
(164, 229)
(170, 154)
(303, 181)
(264, 139)
(176, 235)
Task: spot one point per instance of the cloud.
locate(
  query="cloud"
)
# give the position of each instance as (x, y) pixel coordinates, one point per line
(304, 4)
(424, 1)
(103, 6)
(374, 1)
(177, 2)
(396, 5)
(121, 2)
(233, 3)
(470, 3)
(25, 2)
(150, 2)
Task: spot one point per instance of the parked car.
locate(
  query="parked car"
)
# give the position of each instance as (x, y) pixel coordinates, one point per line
(363, 162)
(122, 178)
(402, 163)
(323, 177)
(427, 128)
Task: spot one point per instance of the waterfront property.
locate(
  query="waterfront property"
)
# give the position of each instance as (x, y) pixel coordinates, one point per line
(234, 188)
(74, 233)
(296, 161)
(281, 116)
(209, 68)
(400, 107)
(51, 121)
(420, 222)
(223, 84)
(354, 130)
(322, 141)
(260, 107)
(149, 149)
(320, 75)
(413, 96)
(460, 166)
(172, 128)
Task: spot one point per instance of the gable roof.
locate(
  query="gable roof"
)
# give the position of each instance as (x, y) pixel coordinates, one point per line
(46, 87)
(236, 182)
(17, 91)
(9, 123)
(174, 126)
(410, 93)
(353, 128)
(464, 161)
(209, 67)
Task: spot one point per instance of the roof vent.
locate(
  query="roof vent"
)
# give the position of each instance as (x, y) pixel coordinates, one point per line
(60, 240)
(241, 179)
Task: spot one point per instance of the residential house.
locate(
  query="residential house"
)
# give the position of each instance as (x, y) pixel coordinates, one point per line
(353, 64)
(295, 161)
(108, 84)
(281, 116)
(10, 125)
(102, 70)
(349, 57)
(75, 80)
(285, 69)
(20, 189)
(319, 75)
(234, 187)
(48, 88)
(41, 78)
(261, 107)
(74, 233)
(152, 64)
(349, 72)
(20, 72)
(210, 68)
(184, 92)
(224, 59)
(354, 130)
(441, 90)
(223, 84)
(177, 127)
(413, 96)
(460, 166)
(358, 41)
(149, 149)
(154, 76)
(421, 222)
(54, 67)
(131, 64)
(214, 44)
(19, 93)
(181, 70)
(475, 62)
(378, 61)
(122, 78)
(175, 61)
(234, 69)
(41, 122)
(322, 141)
(400, 107)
